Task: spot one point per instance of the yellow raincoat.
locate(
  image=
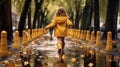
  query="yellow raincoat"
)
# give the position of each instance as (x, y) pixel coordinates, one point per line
(60, 26)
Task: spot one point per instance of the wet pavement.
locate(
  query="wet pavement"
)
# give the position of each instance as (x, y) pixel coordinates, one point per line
(49, 49)
(73, 50)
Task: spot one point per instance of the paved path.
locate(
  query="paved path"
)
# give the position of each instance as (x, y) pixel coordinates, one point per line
(72, 50)
(49, 49)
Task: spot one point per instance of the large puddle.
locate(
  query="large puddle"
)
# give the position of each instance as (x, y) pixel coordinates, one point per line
(83, 57)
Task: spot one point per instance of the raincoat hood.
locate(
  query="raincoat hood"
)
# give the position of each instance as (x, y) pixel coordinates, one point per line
(60, 19)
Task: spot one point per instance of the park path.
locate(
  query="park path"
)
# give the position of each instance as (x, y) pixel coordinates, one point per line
(49, 50)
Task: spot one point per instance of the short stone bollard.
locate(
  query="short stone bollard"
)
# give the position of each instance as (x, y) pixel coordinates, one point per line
(81, 35)
(98, 41)
(29, 35)
(84, 35)
(4, 45)
(109, 42)
(92, 37)
(88, 36)
(32, 33)
(24, 38)
(16, 44)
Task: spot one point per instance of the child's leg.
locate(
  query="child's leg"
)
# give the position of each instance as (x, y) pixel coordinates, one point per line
(63, 42)
(59, 41)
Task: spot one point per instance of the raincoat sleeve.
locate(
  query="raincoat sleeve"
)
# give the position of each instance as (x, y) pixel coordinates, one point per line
(69, 23)
(52, 24)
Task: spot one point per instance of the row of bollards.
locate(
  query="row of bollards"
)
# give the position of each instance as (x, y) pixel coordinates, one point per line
(17, 44)
(87, 38)
(81, 34)
(27, 36)
(85, 35)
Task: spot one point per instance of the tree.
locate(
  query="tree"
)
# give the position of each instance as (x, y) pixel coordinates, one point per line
(38, 4)
(71, 9)
(87, 15)
(78, 13)
(111, 19)
(96, 16)
(43, 15)
(6, 18)
(23, 16)
(29, 19)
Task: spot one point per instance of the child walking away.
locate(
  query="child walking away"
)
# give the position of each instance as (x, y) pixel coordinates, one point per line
(60, 23)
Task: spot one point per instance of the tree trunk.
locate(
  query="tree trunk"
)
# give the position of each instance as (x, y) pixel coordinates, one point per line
(29, 19)
(6, 18)
(37, 8)
(38, 26)
(78, 14)
(35, 17)
(40, 19)
(77, 19)
(96, 16)
(44, 17)
(111, 19)
(87, 16)
(23, 16)
(72, 16)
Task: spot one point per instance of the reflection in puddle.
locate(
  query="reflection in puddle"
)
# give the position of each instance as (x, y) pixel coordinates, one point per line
(83, 56)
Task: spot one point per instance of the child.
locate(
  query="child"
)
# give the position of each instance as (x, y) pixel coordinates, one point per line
(60, 23)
